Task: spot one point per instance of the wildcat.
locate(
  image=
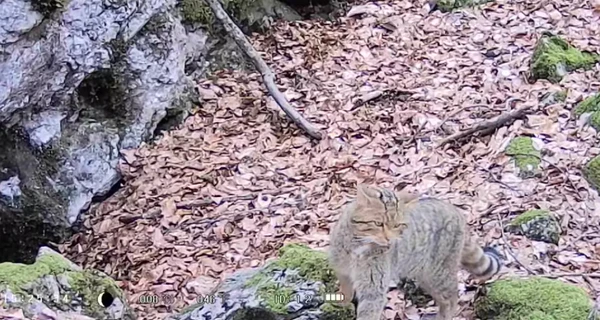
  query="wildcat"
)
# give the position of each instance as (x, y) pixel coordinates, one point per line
(383, 236)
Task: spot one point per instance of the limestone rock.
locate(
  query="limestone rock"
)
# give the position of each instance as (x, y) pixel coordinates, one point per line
(81, 81)
(294, 286)
(55, 288)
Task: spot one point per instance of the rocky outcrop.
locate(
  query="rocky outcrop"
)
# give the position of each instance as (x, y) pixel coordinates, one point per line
(297, 285)
(81, 81)
(55, 288)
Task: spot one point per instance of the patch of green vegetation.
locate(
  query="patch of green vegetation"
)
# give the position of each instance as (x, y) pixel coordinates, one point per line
(527, 157)
(47, 7)
(275, 296)
(528, 216)
(533, 299)
(450, 5)
(310, 264)
(595, 120)
(333, 311)
(554, 57)
(90, 285)
(592, 172)
(86, 284)
(15, 275)
(590, 104)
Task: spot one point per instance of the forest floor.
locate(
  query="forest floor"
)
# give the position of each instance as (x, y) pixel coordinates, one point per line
(237, 180)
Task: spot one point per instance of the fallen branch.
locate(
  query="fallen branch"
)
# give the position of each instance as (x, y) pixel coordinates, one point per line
(266, 72)
(490, 125)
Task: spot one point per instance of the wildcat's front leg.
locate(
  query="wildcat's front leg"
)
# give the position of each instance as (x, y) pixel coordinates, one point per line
(370, 288)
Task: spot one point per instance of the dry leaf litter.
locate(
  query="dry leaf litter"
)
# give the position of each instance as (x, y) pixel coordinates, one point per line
(236, 181)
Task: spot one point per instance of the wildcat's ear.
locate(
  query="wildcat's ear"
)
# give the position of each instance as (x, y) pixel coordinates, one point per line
(366, 194)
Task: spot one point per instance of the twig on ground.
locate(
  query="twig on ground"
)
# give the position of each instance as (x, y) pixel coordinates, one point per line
(489, 125)
(508, 247)
(266, 72)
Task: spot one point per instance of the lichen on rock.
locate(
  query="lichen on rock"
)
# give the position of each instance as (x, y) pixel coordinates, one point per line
(527, 158)
(56, 283)
(537, 225)
(294, 283)
(554, 57)
(533, 299)
(591, 172)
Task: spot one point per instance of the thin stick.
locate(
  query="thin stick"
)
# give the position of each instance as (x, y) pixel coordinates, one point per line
(489, 125)
(510, 251)
(266, 72)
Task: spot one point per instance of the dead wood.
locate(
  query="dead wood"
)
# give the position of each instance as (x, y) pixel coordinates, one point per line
(268, 76)
(489, 126)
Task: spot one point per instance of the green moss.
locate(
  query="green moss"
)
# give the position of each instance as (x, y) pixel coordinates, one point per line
(90, 285)
(450, 5)
(592, 172)
(15, 275)
(526, 157)
(86, 284)
(590, 104)
(553, 57)
(528, 216)
(275, 296)
(337, 311)
(310, 264)
(532, 299)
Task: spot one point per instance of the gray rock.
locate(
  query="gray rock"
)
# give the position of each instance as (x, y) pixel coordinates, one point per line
(57, 289)
(79, 84)
(9, 190)
(44, 127)
(279, 290)
(538, 225)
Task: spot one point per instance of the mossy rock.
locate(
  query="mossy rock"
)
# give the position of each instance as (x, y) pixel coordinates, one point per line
(590, 104)
(591, 172)
(538, 225)
(554, 57)
(533, 299)
(292, 286)
(527, 158)
(28, 282)
(451, 5)
(310, 265)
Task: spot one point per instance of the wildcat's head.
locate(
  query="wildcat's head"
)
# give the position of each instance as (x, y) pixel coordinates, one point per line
(379, 215)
